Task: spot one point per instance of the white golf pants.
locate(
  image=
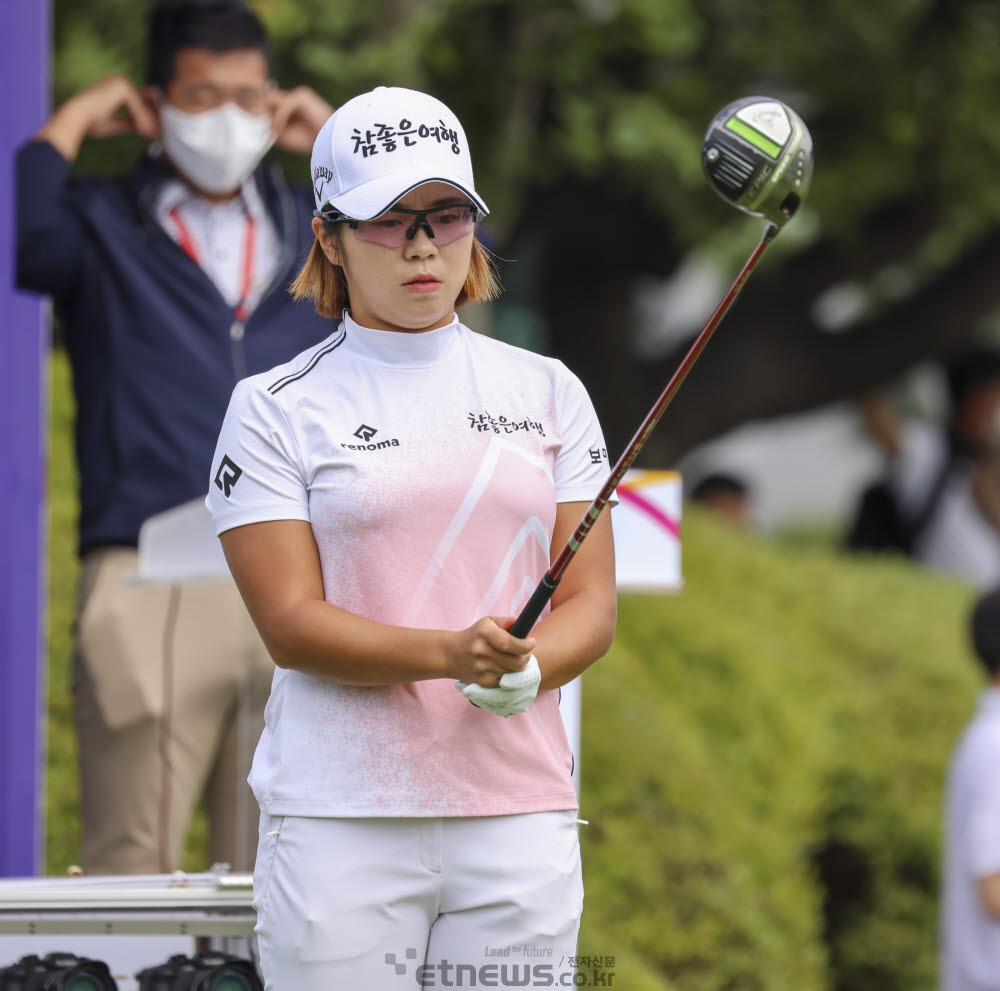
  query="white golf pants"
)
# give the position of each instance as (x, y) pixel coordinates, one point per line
(400, 904)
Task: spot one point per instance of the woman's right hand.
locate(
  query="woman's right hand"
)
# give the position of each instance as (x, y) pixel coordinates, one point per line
(484, 652)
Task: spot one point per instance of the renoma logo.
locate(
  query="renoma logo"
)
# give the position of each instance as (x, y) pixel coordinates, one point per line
(228, 475)
(365, 434)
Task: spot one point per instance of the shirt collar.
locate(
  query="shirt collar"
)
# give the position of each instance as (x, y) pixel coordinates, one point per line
(176, 193)
(399, 348)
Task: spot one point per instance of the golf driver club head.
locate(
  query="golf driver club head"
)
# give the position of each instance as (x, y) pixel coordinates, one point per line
(758, 155)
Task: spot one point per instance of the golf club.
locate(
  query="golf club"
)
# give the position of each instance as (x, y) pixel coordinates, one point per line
(757, 155)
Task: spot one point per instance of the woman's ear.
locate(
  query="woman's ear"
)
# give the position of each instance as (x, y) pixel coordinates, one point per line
(328, 242)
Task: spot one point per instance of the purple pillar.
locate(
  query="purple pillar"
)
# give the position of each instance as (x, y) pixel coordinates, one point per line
(24, 72)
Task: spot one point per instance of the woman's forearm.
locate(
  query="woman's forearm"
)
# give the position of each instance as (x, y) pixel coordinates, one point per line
(321, 639)
(576, 633)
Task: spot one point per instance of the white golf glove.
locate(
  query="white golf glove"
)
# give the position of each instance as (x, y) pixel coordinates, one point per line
(517, 690)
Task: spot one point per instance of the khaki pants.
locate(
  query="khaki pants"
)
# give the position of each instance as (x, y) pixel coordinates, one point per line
(170, 683)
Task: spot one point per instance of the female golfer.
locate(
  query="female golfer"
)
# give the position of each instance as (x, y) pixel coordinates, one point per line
(387, 501)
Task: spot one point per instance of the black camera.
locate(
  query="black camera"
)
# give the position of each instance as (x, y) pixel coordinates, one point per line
(205, 971)
(57, 972)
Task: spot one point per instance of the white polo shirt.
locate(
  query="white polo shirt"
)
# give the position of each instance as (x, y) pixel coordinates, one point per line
(970, 958)
(217, 234)
(429, 466)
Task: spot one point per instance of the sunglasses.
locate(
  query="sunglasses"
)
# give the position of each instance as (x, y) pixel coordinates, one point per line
(395, 227)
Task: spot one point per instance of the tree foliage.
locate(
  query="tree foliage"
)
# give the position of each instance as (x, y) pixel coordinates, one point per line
(586, 119)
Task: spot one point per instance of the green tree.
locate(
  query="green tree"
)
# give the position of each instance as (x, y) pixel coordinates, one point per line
(586, 119)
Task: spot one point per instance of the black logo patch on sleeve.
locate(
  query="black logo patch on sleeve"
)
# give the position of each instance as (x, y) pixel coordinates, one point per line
(228, 475)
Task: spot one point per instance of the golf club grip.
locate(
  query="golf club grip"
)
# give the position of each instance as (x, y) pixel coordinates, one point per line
(533, 608)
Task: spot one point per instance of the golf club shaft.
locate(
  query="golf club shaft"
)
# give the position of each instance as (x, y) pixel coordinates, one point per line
(550, 581)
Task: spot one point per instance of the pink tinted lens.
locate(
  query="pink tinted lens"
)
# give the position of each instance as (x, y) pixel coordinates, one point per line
(449, 223)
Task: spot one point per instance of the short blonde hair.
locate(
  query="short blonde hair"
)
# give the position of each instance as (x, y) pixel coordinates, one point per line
(326, 285)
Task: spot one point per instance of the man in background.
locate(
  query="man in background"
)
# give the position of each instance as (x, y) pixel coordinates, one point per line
(170, 283)
(726, 495)
(971, 886)
(939, 497)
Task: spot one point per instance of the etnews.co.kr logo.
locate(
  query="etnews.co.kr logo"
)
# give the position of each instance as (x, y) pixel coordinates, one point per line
(366, 435)
(400, 968)
(517, 967)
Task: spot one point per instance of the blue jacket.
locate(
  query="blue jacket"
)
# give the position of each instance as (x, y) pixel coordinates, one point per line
(155, 349)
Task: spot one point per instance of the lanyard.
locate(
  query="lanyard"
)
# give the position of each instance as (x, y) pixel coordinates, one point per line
(187, 244)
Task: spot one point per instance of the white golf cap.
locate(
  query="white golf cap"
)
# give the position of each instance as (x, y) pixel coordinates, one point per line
(380, 145)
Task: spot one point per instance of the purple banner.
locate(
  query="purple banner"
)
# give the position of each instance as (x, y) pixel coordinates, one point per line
(24, 70)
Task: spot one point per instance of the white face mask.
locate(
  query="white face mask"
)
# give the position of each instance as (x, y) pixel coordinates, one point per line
(215, 149)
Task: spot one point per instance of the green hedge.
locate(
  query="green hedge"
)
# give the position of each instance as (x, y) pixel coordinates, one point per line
(762, 769)
(62, 834)
(762, 763)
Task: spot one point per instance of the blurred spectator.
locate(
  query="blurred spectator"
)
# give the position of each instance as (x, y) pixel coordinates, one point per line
(728, 496)
(939, 500)
(970, 930)
(171, 285)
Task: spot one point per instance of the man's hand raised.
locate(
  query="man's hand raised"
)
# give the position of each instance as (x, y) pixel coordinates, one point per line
(296, 118)
(109, 107)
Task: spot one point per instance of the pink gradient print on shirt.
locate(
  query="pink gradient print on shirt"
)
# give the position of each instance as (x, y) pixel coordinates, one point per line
(422, 745)
(522, 481)
(455, 523)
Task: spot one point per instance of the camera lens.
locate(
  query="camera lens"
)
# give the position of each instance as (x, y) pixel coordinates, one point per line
(87, 975)
(82, 982)
(228, 981)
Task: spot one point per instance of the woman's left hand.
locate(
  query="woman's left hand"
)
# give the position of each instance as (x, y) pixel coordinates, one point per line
(516, 691)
